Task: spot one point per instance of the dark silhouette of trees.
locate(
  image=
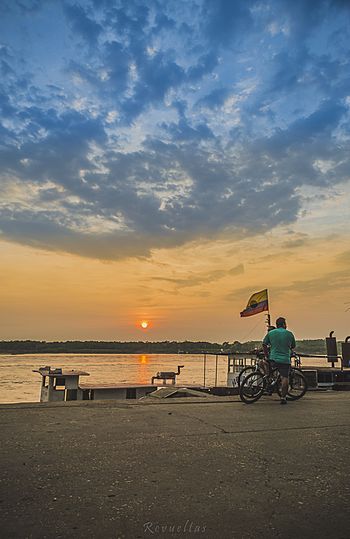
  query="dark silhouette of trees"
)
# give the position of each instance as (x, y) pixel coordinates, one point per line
(316, 346)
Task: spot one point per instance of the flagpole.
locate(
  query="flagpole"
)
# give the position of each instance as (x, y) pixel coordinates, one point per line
(268, 317)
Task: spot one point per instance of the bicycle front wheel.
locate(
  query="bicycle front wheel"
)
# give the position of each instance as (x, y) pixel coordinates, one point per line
(297, 385)
(252, 387)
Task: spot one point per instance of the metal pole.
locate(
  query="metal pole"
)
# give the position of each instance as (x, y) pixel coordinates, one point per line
(268, 317)
(204, 367)
(216, 370)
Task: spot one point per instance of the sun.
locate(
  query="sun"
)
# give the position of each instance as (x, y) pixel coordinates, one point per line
(144, 324)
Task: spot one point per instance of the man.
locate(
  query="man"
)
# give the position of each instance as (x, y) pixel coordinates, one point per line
(278, 344)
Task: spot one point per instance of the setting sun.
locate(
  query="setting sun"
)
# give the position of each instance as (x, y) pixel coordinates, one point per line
(144, 324)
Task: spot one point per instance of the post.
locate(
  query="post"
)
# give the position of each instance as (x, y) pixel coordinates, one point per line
(268, 317)
(204, 367)
(43, 388)
(50, 389)
(332, 352)
(345, 353)
(216, 370)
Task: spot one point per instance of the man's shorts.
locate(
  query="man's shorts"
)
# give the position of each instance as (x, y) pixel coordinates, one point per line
(283, 368)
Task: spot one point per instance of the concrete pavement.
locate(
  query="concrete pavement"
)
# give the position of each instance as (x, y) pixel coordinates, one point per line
(177, 468)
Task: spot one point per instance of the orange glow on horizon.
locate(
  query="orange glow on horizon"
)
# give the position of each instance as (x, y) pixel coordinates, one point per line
(200, 302)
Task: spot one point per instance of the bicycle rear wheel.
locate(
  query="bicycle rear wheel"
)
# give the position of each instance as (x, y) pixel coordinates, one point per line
(244, 373)
(252, 387)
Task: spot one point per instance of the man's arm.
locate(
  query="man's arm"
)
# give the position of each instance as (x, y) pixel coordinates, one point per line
(266, 342)
(293, 343)
(266, 350)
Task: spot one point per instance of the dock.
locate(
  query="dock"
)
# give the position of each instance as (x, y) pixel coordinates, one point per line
(206, 468)
(62, 385)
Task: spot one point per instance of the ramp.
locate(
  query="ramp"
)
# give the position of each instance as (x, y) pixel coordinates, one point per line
(171, 392)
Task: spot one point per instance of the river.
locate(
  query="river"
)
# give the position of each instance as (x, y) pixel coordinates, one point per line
(18, 382)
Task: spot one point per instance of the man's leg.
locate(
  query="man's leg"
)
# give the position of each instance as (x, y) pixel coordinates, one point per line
(284, 372)
(284, 388)
(264, 366)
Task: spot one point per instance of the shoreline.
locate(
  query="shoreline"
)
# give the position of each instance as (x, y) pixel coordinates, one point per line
(104, 353)
(18, 347)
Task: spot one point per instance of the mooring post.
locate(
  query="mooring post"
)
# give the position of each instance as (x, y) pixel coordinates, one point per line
(216, 370)
(345, 352)
(204, 367)
(332, 352)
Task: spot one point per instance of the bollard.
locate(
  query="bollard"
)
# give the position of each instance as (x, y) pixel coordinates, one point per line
(332, 351)
(345, 352)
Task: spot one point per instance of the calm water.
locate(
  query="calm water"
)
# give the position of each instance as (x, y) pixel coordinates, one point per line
(19, 384)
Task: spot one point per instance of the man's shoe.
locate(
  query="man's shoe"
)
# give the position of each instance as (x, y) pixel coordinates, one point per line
(283, 401)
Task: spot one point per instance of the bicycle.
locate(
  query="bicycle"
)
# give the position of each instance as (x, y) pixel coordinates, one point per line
(258, 383)
(257, 367)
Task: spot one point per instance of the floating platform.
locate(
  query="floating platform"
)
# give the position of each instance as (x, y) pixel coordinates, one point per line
(115, 391)
(59, 385)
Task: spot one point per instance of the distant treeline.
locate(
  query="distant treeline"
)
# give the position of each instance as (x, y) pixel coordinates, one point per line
(316, 346)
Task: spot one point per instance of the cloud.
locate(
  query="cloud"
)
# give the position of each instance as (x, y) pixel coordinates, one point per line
(201, 278)
(243, 294)
(182, 131)
(24, 6)
(226, 21)
(167, 192)
(159, 124)
(330, 281)
(343, 258)
(292, 244)
(215, 98)
(83, 25)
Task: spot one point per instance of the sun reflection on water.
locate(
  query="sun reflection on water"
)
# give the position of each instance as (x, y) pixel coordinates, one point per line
(143, 373)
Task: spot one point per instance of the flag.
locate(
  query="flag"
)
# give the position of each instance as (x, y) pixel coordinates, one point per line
(257, 303)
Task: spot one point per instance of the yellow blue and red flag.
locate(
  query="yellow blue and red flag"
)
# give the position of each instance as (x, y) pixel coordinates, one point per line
(257, 303)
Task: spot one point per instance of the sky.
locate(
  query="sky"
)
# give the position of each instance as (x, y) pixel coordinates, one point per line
(161, 161)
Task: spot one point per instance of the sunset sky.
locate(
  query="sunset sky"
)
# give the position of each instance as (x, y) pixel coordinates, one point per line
(161, 161)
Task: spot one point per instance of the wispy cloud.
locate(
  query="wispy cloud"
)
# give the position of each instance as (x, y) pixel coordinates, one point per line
(343, 258)
(201, 278)
(330, 281)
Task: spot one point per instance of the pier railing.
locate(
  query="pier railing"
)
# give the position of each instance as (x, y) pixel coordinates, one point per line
(236, 361)
(330, 359)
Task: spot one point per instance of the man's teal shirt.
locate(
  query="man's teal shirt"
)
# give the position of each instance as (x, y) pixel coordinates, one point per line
(281, 341)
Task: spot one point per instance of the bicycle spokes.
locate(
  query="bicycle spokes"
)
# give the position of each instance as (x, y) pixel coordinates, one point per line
(252, 387)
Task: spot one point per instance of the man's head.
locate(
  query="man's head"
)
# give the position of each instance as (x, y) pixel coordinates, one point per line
(281, 322)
